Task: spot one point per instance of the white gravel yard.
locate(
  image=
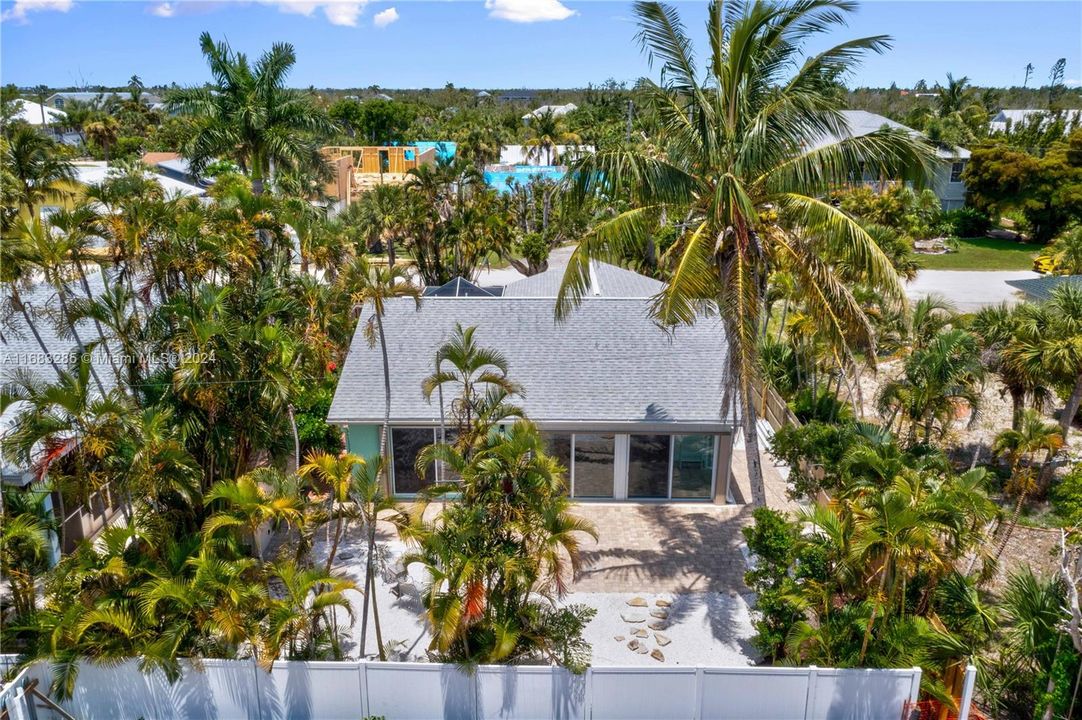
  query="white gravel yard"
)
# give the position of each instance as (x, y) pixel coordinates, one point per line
(700, 628)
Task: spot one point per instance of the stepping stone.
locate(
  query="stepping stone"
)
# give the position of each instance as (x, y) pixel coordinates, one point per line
(657, 655)
(662, 640)
(636, 602)
(642, 649)
(659, 614)
(658, 625)
(640, 633)
(733, 593)
(344, 556)
(618, 638)
(632, 618)
(663, 603)
(633, 645)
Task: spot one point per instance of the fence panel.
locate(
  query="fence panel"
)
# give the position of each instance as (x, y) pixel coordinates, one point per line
(644, 693)
(754, 693)
(420, 691)
(311, 691)
(525, 692)
(861, 694)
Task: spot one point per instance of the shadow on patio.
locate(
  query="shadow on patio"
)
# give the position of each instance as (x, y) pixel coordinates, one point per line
(663, 548)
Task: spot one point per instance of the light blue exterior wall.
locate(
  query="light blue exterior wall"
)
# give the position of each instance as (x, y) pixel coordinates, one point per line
(363, 440)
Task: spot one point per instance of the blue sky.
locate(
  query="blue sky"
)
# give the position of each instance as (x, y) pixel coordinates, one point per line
(490, 43)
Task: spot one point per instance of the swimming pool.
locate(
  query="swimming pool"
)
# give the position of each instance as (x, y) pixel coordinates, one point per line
(521, 174)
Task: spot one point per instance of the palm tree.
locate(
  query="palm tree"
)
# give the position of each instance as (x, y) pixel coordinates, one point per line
(249, 115)
(744, 165)
(247, 505)
(546, 132)
(16, 272)
(478, 377)
(367, 492)
(39, 174)
(24, 547)
(104, 131)
(308, 595)
(1021, 448)
(1002, 332)
(375, 286)
(953, 96)
(335, 473)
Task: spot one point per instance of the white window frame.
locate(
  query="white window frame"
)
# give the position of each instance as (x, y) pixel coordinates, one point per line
(960, 171)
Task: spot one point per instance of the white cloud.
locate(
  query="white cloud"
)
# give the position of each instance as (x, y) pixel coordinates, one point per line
(21, 8)
(528, 11)
(385, 17)
(1071, 83)
(165, 9)
(337, 12)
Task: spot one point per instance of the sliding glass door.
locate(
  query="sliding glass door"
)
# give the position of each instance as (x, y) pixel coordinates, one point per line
(594, 466)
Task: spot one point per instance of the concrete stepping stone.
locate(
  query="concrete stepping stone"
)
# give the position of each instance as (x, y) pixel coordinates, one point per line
(659, 614)
(642, 649)
(657, 655)
(661, 639)
(633, 645)
(640, 633)
(658, 625)
(632, 618)
(636, 602)
(618, 638)
(663, 603)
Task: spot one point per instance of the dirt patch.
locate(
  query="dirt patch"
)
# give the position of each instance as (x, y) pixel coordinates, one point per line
(1037, 548)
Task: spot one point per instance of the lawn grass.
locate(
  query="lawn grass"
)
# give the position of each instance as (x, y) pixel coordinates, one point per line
(984, 254)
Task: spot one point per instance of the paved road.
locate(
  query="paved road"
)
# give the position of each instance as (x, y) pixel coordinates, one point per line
(969, 290)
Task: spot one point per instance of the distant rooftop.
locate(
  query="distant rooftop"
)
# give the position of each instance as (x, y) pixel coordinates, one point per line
(1041, 288)
(862, 122)
(606, 280)
(460, 287)
(556, 110)
(30, 112)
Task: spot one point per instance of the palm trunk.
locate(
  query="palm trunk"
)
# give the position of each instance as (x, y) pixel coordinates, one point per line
(1018, 406)
(367, 579)
(97, 326)
(337, 539)
(1071, 409)
(1010, 526)
(1051, 687)
(751, 449)
(386, 430)
(375, 619)
(875, 610)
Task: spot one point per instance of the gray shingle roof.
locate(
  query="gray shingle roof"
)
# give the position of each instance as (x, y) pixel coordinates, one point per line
(862, 122)
(606, 281)
(1041, 288)
(608, 364)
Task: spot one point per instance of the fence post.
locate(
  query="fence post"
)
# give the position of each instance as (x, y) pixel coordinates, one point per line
(589, 693)
(362, 669)
(967, 692)
(258, 700)
(699, 676)
(809, 698)
(914, 686)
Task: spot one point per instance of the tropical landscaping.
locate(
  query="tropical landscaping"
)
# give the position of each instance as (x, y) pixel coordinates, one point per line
(170, 363)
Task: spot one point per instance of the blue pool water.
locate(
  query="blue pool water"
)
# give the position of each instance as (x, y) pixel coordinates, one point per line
(445, 149)
(521, 175)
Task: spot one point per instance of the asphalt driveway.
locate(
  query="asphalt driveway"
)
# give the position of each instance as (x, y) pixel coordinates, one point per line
(969, 290)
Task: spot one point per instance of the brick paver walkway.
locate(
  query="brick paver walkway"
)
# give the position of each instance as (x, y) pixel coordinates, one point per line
(663, 548)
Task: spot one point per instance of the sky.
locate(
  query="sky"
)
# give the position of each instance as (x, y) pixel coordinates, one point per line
(493, 43)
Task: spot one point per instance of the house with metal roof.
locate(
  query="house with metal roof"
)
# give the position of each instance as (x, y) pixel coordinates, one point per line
(946, 181)
(1039, 289)
(632, 410)
(1014, 118)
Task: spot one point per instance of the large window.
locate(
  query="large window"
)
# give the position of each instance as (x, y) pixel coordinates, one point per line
(956, 171)
(405, 444)
(648, 466)
(692, 466)
(594, 465)
(558, 445)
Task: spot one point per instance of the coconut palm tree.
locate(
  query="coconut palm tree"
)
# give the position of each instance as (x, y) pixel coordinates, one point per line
(953, 97)
(546, 131)
(104, 131)
(1021, 447)
(248, 115)
(745, 157)
(375, 286)
(39, 174)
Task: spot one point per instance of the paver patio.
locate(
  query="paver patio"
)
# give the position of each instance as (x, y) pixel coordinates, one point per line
(663, 548)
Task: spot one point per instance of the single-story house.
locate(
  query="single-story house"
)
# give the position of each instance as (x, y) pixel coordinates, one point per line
(633, 411)
(31, 113)
(1039, 289)
(561, 154)
(1017, 117)
(556, 110)
(92, 173)
(946, 183)
(57, 100)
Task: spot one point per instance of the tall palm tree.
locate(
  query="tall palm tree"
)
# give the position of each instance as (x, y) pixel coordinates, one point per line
(1020, 447)
(952, 97)
(546, 131)
(375, 286)
(104, 131)
(17, 273)
(249, 115)
(367, 492)
(335, 473)
(1002, 332)
(39, 173)
(747, 155)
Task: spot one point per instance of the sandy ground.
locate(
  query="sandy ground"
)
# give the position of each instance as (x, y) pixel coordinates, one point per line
(969, 290)
(702, 628)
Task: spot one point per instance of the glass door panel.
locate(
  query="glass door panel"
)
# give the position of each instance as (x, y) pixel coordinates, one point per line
(648, 466)
(692, 466)
(594, 465)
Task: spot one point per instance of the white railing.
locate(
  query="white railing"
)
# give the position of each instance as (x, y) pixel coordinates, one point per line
(405, 691)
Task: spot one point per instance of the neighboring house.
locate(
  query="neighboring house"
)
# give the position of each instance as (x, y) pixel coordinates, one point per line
(93, 173)
(631, 410)
(21, 351)
(172, 165)
(562, 154)
(356, 168)
(57, 100)
(1017, 117)
(1040, 289)
(946, 182)
(556, 110)
(517, 96)
(30, 112)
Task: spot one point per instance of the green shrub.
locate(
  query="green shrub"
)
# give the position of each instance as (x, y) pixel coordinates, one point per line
(772, 540)
(965, 222)
(1067, 497)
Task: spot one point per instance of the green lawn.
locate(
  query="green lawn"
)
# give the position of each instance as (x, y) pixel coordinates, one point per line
(984, 254)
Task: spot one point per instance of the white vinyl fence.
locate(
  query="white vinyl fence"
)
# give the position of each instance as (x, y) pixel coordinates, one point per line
(238, 689)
